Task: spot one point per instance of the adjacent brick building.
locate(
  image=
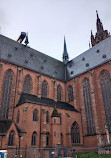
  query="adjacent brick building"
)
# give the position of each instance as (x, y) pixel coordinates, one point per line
(45, 102)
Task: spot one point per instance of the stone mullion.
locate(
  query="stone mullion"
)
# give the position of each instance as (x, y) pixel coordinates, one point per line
(94, 105)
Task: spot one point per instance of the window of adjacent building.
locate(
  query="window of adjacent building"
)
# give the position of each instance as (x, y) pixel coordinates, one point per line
(88, 107)
(59, 92)
(47, 116)
(105, 82)
(6, 94)
(35, 115)
(27, 84)
(11, 138)
(70, 93)
(75, 133)
(18, 116)
(34, 136)
(47, 139)
(44, 89)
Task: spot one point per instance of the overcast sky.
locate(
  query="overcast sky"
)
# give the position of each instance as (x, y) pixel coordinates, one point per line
(48, 21)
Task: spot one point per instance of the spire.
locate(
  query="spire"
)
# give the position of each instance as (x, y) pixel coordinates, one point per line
(101, 34)
(92, 39)
(65, 54)
(97, 14)
(99, 24)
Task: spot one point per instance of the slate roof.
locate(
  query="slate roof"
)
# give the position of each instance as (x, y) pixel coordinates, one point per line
(95, 56)
(55, 113)
(4, 126)
(28, 98)
(18, 54)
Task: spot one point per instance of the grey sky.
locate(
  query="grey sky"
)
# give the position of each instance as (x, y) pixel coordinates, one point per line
(47, 21)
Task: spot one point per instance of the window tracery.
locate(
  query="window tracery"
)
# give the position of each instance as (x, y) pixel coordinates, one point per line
(44, 89)
(70, 93)
(59, 92)
(75, 133)
(105, 82)
(88, 107)
(6, 93)
(27, 84)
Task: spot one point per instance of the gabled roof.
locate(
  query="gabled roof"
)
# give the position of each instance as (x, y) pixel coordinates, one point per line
(95, 56)
(55, 113)
(24, 56)
(28, 98)
(5, 125)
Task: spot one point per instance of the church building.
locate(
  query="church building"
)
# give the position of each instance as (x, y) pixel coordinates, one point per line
(46, 103)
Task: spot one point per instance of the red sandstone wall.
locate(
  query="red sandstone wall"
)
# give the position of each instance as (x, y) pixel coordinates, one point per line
(27, 125)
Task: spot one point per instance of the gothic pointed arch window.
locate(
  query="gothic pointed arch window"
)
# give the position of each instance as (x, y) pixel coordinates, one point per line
(27, 84)
(75, 133)
(34, 137)
(6, 93)
(60, 119)
(105, 83)
(88, 107)
(35, 115)
(47, 139)
(70, 93)
(59, 92)
(18, 116)
(47, 116)
(44, 89)
(11, 138)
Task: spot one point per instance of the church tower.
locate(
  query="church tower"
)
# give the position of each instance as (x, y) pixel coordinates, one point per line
(101, 33)
(65, 54)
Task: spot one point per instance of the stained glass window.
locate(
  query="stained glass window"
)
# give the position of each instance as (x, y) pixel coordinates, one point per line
(11, 138)
(60, 119)
(70, 93)
(75, 133)
(59, 92)
(18, 116)
(88, 107)
(27, 84)
(105, 82)
(47, 116)
(35, 115)
(47, 139)
(6, 93)
(34, 136)
(44, 88)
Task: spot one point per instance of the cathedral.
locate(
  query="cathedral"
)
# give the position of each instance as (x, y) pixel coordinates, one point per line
(46, 103)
